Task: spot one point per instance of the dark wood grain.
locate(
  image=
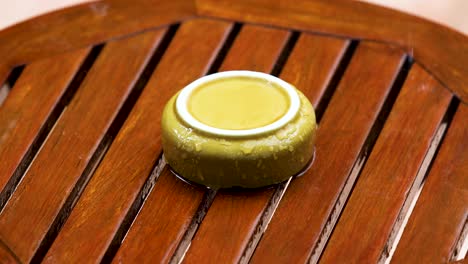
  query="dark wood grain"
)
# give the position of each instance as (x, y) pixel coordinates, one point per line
(244, 54)
(233, 216)
(307, 204)
(442, 51)
(59, 164)
(28, 107)
(85, 25)
(442, 208)
(378, 196)
(6, 255)
(109, 195)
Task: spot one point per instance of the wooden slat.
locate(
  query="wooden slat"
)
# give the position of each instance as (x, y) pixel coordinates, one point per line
(444, 52)
(307, 204)
(6, 256)
(373, 208)
(60, 163)
(144, 237)
(313, 63)
(86, 24)
(245, 55)
(162, 222)
(233, 216)
(255, 49)
(441, 211)
(28, 107)
(109, 195)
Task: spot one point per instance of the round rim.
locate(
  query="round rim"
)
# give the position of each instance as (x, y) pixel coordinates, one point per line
(184, 95)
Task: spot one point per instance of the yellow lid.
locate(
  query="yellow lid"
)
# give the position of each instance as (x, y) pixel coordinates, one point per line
(238, 128)
(241, 103)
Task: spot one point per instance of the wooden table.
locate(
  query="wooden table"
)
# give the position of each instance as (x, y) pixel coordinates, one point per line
(83, 179)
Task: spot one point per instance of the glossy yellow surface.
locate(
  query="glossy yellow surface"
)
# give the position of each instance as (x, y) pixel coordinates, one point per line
(238, 103)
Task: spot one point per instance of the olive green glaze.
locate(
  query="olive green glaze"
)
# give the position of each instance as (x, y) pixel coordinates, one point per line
(247, 162)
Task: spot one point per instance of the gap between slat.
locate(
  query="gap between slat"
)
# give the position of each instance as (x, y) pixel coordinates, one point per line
(10, 82)
(418, 184)
(336, 212)
(281, 189)
(132, 207)
(104, 145)
(135, 209)
(225, 48)
(335, 80)
(271, 207)
(186, 241)
(264, 221)
(461, 248)
(285, 53)
(158, 166)
(43, 133)
(362, 158)
(4, 91)
(184, 246)
(209, 195)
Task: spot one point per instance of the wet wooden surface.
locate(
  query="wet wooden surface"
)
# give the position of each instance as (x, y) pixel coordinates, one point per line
(82, 173)
(66, 157)
(319, 189)
(385, 180)
(229, 232)
(41, 87)
(240, 213)
(441, 212)
(119, 179)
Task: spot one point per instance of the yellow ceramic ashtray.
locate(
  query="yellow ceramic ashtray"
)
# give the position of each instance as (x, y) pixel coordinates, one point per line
(238, 129)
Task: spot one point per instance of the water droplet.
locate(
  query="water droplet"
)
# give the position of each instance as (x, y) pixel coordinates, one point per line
(225, 142)
(246, 150)
(259, 163)
(200, 175)
(198, 147)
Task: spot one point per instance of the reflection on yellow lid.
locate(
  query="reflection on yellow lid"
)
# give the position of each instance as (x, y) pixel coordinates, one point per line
(238, 103)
